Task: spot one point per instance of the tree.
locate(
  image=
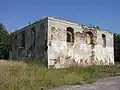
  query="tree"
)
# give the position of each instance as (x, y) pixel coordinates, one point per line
(117, 47)
(4, 42)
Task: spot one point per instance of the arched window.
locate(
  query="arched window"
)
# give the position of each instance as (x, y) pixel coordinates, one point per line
(89, 38)
(70, 35)
(104, 40)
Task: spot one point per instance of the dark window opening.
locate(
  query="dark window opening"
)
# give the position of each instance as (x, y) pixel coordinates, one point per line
(104, 40)
(89, 38)
(23, 39)
(70, 35)
(15, 36)
(33, 36)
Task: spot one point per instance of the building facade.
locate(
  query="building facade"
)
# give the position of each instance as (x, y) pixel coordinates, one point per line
(61, 43)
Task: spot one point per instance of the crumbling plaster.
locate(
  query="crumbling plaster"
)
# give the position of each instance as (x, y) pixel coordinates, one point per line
(35, 42)
(66, 54)
(62, 43)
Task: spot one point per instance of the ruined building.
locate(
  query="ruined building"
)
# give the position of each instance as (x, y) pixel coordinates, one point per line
(61, 43)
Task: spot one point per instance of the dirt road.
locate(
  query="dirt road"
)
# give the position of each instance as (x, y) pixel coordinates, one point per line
(109, 83)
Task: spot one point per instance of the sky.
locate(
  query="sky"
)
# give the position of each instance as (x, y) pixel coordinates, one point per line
(16, 14)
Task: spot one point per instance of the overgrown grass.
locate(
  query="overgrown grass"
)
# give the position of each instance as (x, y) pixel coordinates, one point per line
(28, 76)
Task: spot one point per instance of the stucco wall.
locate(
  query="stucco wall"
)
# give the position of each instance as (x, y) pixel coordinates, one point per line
(49, 43)
(64, 54)
(104, 54)
(35, 42)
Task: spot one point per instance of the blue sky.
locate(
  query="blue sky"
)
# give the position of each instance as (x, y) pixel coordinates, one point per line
(15, 14)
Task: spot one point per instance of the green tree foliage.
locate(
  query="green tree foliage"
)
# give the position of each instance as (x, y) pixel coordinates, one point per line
(117, 47)
(4, 42)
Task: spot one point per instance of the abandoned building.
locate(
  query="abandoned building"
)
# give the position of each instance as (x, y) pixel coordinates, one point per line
(61, 43)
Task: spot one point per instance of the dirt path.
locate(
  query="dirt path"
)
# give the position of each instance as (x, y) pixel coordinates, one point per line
(109, 83)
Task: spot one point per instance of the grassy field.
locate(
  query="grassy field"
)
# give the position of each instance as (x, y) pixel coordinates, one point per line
(27, 76)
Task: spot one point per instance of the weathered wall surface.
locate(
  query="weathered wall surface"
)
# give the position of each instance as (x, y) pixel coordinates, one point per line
(86, 49)
(30, 42)
(104, 54)
(62, 44)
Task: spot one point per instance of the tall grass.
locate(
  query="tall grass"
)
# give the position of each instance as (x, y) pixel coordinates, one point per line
(29, 76)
